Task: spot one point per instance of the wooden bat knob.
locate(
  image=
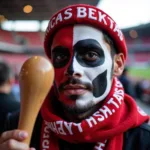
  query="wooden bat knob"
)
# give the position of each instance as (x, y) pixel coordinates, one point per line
(35, 79)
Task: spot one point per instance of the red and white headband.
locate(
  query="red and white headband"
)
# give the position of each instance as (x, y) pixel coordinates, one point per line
(87, 15)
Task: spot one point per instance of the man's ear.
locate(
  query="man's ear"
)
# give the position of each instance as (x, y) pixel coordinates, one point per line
(119, 63)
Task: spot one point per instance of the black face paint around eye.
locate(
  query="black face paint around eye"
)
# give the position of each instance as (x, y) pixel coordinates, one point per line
(100, 84)
(60, 56)
(89, 53)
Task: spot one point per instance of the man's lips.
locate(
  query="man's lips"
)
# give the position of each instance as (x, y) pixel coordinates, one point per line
(76, 89)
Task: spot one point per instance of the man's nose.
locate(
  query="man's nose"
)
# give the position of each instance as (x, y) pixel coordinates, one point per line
(73, 70)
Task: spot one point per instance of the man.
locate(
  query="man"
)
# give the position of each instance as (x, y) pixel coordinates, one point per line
(8, 102)
(87, 107)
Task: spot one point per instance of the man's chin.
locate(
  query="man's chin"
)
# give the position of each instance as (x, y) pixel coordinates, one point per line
(77, 115)
(78, 110)
(77, 105)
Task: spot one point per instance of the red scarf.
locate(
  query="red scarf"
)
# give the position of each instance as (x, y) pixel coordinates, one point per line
(105, 127)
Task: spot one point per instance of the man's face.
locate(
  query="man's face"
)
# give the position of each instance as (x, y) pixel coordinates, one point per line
(83, 67)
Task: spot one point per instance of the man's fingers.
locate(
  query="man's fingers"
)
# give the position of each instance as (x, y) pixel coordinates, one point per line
(14, 145)
(14, 134)
(32, 149)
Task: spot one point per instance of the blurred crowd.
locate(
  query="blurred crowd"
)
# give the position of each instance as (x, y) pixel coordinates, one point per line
(8, 93)
(142, 89)
(137, 88)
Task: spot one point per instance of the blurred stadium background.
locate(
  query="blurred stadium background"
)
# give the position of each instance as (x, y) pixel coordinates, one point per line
(22, 26)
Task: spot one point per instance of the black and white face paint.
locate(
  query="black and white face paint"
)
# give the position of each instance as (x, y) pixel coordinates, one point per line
(81, 52)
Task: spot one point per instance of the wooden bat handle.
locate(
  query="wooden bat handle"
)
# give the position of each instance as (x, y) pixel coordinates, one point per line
(35, 79)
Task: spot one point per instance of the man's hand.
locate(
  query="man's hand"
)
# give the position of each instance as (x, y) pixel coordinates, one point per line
(13, 140)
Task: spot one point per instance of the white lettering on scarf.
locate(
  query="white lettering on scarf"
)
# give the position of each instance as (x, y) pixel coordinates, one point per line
(100, 145)
(103, 113)
(63, 128)
(46, 135)
(83, 12)
(141, 111)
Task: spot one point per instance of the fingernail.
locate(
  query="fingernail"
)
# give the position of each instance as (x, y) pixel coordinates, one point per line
(32, 149)
(23, 134)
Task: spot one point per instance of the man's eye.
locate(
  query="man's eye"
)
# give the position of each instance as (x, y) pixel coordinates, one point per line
(90, 56)
(60, 58)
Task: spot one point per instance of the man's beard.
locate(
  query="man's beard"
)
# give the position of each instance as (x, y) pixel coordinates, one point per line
(77, 110)
(76, 114)
(74, 109)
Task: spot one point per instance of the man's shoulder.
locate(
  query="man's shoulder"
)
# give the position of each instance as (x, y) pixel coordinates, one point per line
(137, 138)
(145, 127)
(142, 129)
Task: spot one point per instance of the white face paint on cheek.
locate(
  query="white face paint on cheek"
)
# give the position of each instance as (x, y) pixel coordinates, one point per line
(107, 66)
(90, 73)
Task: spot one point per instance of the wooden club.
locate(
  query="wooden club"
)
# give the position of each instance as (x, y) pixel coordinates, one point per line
(35, 79)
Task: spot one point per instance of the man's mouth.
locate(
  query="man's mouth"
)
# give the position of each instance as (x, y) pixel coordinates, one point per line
(74, 89)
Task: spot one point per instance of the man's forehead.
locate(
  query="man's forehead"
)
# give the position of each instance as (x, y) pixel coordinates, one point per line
(73, 34)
